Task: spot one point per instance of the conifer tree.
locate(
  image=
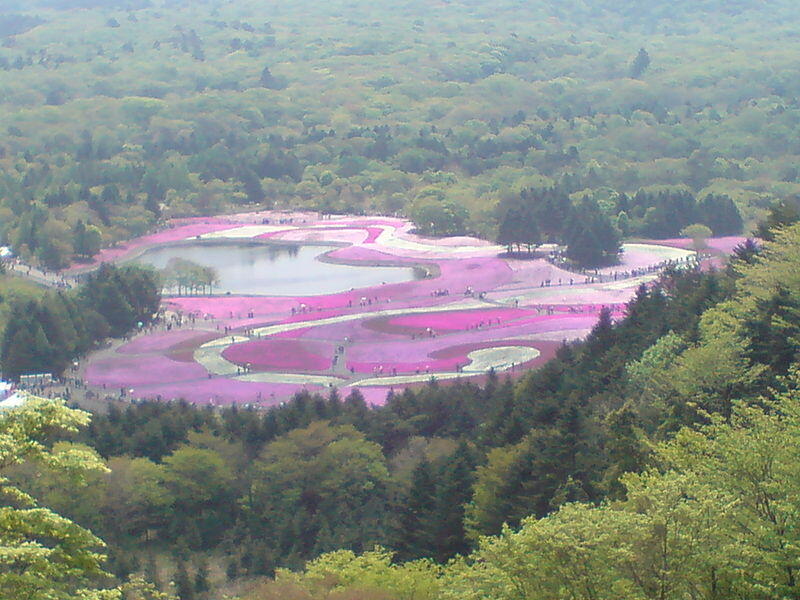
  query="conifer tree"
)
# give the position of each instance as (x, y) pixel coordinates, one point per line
(201, 583)
(640, 64)
(183, 583)
(454, 491)
(416, 520)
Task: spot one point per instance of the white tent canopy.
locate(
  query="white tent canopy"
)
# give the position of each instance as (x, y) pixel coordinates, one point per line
(12, 401)
(9, 398)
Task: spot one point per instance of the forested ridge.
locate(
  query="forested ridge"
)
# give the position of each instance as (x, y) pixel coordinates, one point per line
(132, 112)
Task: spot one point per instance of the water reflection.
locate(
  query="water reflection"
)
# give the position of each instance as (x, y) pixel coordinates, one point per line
(276, 269)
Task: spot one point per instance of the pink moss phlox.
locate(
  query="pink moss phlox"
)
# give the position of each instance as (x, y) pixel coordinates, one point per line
(161, 341)
(133, 371)
(404, 368)
(459, 320)
(723, 245)
(224, 391)
(281, 355)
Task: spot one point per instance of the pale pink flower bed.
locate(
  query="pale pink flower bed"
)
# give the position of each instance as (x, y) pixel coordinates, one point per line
(157, 342)
(634, 258)
(135, 371)
(334, 236)
(222, 391)
(533, 272)
(723, 245)
(282, 355)
(389, 368)
(367, 222)
(343, 234)
(459, 320)
(572, 296)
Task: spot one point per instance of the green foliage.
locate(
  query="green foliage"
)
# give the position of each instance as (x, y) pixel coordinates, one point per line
(718, 520)
(698, 234)
(197, 111)
(201, 485)
(189, 277)
(319, 479)
(44, 554)
(45, 335)
(438, 217)
(640, 64)
(136, 499)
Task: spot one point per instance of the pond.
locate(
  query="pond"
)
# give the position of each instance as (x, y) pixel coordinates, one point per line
(276, 269)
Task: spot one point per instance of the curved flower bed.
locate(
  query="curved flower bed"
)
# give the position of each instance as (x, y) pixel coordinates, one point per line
(135, 371)
(281, 355)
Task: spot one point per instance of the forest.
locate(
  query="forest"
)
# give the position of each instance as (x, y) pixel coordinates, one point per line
(46, 332)
(133, 112)
(655, 460)
(631, 462)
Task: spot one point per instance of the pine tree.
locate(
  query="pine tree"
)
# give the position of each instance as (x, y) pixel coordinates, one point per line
(151, 571)
(453, 493)
(640, 64)
(183, 584)
(416, 537)
(232, 570)
(201, 584)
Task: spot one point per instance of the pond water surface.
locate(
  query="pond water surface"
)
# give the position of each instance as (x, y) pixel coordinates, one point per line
(276, 269)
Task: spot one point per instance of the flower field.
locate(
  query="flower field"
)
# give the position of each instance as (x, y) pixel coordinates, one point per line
(475, 311)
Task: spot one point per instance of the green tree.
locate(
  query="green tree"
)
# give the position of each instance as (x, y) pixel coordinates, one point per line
(87, 239)
(640, 64)
(183, 583)
(320, 475)
(45, 555)
(201, 484)
(698, 233)
(137, 498)
(417, 526)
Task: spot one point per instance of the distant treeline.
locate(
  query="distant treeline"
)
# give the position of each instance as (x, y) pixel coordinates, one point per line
(14, 24)
(20, 5)
(592, 233)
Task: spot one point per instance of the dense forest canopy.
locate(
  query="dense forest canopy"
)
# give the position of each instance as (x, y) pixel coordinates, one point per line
(131, 112)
